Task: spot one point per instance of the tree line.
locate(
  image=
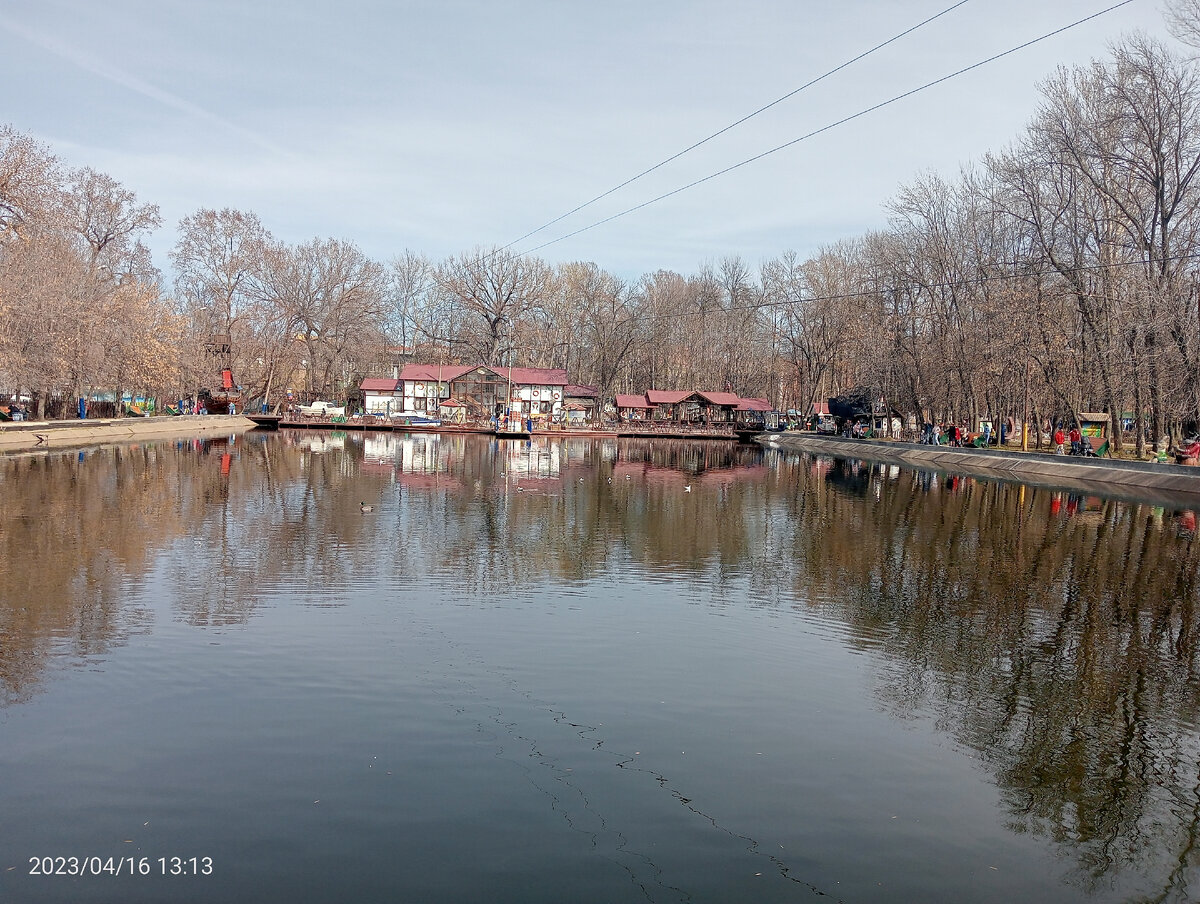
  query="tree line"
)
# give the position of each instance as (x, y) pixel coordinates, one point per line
(1055, 276)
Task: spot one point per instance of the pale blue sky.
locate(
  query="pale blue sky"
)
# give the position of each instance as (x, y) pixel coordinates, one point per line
(440, 126)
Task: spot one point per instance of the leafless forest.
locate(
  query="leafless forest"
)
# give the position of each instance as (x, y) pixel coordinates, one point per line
(1056, 275)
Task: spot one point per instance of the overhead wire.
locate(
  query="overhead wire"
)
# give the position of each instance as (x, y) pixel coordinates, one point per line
(830, 126)
(736, 123)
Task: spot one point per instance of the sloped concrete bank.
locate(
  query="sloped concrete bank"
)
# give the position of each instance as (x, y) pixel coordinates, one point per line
(1150, 481)
(22, 436)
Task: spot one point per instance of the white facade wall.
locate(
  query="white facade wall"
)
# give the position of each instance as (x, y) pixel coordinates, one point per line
(381, 403)
(422, 398)
(528, 399)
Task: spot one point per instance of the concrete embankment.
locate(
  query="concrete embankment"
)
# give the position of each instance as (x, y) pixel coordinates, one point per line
(20, 436)
(1168, 484)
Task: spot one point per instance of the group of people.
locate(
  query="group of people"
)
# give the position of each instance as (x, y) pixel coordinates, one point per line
(954, 434)
(1075, 437)
(1189, 452)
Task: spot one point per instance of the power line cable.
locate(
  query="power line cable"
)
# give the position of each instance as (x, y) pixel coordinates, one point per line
(832, 125)
(737, 123)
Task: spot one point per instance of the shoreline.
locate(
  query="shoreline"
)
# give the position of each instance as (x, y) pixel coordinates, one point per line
(25, 436)
(1143, 481)
(1146, 481)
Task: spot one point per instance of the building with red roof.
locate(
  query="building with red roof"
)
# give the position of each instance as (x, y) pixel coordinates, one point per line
(484, 392)
(633, 407)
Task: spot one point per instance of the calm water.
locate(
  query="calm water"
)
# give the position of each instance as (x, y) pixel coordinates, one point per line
(549, 673)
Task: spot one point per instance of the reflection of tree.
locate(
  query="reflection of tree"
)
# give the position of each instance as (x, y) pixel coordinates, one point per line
(1056, 636)
(73, 539)
(1061, 647)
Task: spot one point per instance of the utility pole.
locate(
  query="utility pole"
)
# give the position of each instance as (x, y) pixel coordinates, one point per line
(1025, 416)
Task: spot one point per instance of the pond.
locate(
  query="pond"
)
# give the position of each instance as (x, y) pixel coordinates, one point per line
(585, 670)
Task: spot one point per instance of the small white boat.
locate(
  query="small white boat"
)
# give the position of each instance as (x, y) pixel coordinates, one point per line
(415, 420)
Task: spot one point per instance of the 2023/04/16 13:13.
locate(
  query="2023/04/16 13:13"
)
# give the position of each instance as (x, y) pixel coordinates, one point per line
(117, 866)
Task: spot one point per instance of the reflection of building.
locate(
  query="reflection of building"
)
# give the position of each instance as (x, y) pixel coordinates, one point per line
(379, 452)
(410, 458)
(532, 459)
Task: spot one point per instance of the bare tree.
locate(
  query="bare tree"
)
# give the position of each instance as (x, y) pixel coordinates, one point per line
(410, 286)
(1125, 133)
(329, 296)
(495, 289)
(108, 224)
(604, 326)
(29, 183)
(218, 262)
(1183, 20)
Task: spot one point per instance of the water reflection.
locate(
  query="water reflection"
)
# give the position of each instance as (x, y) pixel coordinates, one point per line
(1053, 634)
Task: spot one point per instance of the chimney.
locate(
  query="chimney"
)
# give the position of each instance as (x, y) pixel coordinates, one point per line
(395, 371)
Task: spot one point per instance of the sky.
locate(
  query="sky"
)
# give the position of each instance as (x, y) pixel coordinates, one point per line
(449, 125)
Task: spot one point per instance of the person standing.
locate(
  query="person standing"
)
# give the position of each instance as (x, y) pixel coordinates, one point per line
(1076, 440)
(1060, 442)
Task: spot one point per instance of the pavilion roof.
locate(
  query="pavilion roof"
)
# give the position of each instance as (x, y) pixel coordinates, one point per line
(632, 401)
(754, 405)
(668, 396)
(721, 398)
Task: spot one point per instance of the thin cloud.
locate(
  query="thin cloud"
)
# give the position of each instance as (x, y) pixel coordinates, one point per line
(89, 63)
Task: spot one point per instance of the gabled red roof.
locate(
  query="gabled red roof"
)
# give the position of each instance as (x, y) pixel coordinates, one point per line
(632, 401)
(433, 372)
(447, 373)
(667, 397)
(378, 384)
(720, 398)
(533, 376)
(754, 405)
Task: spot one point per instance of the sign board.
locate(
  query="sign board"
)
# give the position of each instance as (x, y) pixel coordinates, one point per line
(218, 347)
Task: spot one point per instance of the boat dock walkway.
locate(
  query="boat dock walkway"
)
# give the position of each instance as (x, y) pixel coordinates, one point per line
(370, 422)
(19, 436)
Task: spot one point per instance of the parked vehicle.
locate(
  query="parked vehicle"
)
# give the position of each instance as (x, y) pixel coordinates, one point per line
(323, 409)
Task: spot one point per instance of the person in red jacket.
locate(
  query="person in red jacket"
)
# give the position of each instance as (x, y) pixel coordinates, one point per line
(1076, 440)
(1060, 442)
(1191, 451)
